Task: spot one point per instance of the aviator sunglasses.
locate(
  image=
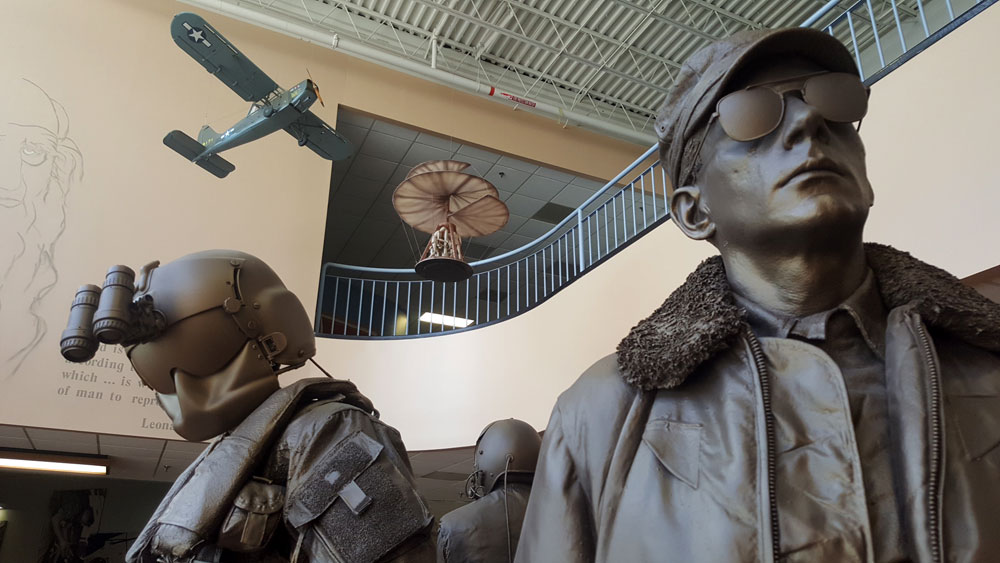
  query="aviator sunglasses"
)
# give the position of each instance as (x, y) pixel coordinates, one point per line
(757, 110)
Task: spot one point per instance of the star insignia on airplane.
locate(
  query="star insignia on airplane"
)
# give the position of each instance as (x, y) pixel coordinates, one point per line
(196, 35)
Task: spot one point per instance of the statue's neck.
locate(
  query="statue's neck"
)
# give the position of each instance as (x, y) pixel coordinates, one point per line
(797, 283)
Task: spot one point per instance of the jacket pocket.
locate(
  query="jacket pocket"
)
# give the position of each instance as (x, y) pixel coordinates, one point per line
(677, 446)
(978, 420)
(253, 518)
(357, 502)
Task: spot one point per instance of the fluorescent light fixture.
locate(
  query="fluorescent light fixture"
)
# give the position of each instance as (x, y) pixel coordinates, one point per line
(434, 318)
(45, 461)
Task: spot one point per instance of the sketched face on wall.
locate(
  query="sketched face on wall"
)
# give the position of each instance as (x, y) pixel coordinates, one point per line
(38, 165)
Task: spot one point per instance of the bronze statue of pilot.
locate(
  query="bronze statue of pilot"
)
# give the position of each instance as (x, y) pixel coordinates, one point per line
(487, 530)
(803, 396)
(301, 473)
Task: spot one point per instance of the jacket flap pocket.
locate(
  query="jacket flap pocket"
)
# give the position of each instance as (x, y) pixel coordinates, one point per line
(677, 446)
(260, 498)
(978, 421)
(332, 478)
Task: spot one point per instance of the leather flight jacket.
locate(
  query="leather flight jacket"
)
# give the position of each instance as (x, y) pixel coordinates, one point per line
(666, 450)
(479, 531)
(311, 476)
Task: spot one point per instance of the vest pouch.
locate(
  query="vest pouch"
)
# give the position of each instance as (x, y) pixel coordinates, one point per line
(355, 504)
(253, 518)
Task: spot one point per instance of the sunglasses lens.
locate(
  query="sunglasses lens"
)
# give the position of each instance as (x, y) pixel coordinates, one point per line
(840, 97)
(746, 115)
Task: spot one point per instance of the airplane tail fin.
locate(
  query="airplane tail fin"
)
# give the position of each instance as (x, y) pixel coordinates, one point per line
(206, 133)
(190, 149)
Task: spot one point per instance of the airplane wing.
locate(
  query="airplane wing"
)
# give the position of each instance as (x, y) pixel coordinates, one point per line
(207, 46)
(320, 137)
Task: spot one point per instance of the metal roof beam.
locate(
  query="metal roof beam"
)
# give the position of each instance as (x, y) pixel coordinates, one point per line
(601, 36)
(469, 50)
(728, 13)
(667, 20)
(538, 44)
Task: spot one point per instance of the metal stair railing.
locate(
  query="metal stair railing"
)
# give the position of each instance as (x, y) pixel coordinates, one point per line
(376, 303)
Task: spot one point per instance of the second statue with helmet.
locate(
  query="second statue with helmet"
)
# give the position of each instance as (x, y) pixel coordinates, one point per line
(488, 529)
(305, 472)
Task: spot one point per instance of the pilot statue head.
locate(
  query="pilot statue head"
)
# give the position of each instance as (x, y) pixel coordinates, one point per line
(506, 450)
(209, 332)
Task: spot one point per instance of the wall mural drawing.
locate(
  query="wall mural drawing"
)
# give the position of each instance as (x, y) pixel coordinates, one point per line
(39, 163)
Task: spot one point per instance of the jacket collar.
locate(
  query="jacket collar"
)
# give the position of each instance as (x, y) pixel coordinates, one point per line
(701, 318)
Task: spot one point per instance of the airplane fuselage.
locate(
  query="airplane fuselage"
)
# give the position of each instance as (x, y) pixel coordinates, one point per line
(264, 118)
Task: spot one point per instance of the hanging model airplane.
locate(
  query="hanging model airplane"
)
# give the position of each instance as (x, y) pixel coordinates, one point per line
(272, 107)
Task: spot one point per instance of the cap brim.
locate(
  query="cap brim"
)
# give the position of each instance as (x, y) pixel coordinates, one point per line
(820, 48)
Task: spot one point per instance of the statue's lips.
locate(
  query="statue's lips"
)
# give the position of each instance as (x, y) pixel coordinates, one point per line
(813, 166)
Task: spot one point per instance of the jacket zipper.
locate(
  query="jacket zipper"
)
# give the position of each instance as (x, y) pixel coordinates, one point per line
(765, 395)
(933, 512)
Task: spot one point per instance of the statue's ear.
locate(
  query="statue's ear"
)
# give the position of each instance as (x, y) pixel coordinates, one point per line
(690, 213)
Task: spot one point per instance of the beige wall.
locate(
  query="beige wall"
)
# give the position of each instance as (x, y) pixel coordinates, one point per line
(114, 69)
(124, 84)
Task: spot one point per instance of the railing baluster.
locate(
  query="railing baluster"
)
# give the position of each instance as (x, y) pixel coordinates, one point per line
(478, 276)
(878, 43)
(899, 26)
(336, 291)
(420, 305)
(923, 18)
(517, 286)
(347, 309)
(635, 228)
(854, 42)
(467, 297)
(508, 290)
(395, 320)
(385, 299)
(361, 306)
(371, 310)
(409, 292)
(642, 189)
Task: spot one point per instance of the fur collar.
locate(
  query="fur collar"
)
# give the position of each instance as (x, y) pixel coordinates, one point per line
(701, 318)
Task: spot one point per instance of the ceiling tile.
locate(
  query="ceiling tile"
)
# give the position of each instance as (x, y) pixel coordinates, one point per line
(540, 187)
(493, 239)
(385, 212)
(425, 462)
(505, 178)
(345, 203)
(385, 146)
(517, 241)
(517, 164)
(572, 196)
(362, 188)
(348, 116)
(523, 206)
(533, 228)
(477, 166)
(15, 442)
(440, 142)
(478, 154)
(84, 444)
(555, 174)
(514, 222)
(372, 168)
(395, 130)
(356, 135)
(11, 431)
(131, 468)
(177, 447)
(592, 185)
(422, 153)
(131, 442)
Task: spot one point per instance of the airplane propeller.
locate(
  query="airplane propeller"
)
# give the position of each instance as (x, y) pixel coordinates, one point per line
(315, 88)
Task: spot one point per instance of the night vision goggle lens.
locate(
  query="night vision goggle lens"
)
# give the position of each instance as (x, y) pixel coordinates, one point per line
(746, 115)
